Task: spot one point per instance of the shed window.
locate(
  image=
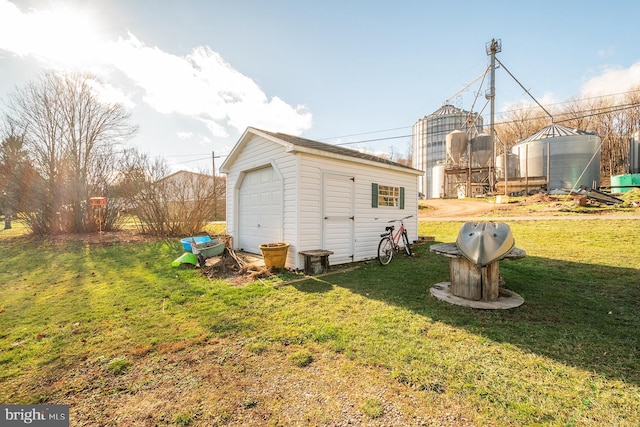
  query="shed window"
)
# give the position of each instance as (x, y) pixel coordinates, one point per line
(385, 195)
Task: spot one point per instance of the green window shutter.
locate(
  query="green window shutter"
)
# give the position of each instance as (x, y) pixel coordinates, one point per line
(374, 195)
(401, 197)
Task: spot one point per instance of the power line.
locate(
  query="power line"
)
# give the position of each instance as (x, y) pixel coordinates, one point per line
(501, 113)
(525, 89)
(190, 161)
(373, 140)
(578, 100)
(363, 133)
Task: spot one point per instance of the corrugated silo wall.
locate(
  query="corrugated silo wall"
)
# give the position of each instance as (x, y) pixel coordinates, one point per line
(438, 127)
(419, 152)
(429, 143)
(574, 160)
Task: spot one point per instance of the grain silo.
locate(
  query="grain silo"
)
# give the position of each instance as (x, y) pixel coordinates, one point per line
(437, 181)
(456, 143)
(512, 163)
(429, 139)
(568, 157)
(481, 150)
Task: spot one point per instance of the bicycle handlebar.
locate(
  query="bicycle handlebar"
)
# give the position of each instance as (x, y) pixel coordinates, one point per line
(401, 219)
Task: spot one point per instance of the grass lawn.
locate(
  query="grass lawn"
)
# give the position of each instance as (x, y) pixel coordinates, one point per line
(125, 339)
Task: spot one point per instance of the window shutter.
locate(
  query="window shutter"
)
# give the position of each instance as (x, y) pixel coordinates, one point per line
(401, 197)
(374, 195)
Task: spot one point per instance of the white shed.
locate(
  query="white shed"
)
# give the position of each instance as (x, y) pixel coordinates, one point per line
(312, 195)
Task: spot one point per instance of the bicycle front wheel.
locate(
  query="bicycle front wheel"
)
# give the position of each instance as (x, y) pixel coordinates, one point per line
(405, 239)
(385, 251)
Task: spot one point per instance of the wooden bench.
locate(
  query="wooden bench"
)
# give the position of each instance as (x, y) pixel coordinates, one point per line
(467, 279)
(312, 258)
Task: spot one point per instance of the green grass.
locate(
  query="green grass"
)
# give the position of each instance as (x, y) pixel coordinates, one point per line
(111, 326)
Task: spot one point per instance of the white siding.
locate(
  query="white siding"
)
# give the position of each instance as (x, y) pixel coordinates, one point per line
(257, 153)
(303, 195)
(369, 222)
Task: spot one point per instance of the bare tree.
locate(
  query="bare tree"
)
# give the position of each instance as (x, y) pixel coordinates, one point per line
(519, 123)
(20, 184)
(164, 203)
(614, 120)
(70, 134)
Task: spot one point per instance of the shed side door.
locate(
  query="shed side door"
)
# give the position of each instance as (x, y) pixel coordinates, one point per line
(338, 222)
(260, 215)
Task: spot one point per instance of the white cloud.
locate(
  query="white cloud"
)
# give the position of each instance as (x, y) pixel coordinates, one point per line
(200, 85)
(606, 52)
(612, 81)
(110, 94)
(203, 86)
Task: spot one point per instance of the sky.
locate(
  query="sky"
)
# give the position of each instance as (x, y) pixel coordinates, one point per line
(196, 73)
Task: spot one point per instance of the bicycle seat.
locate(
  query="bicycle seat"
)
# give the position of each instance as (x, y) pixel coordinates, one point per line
(390, 227)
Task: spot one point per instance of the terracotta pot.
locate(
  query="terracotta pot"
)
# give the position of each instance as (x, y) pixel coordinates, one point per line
(275, 255)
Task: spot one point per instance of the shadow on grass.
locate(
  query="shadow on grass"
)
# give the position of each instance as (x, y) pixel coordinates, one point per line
(313, 286)
(583, 315)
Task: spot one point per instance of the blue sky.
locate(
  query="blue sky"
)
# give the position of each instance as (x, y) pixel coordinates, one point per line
(197, 73)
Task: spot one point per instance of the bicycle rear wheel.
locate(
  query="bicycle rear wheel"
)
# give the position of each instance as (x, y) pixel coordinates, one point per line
(385, 251)
(405, 239)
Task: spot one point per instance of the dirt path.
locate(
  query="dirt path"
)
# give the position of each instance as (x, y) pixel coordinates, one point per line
(478, 210)
(444, 208)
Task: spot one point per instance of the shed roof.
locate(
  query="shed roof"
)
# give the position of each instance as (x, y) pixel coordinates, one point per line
(296, 143)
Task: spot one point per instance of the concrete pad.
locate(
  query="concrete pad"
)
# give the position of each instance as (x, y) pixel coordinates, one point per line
(506, 299)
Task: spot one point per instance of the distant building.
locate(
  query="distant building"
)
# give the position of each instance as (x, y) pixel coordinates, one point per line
(429, 136)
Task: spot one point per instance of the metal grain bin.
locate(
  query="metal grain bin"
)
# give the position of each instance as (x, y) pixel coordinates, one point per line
(456, 146)
(481, 150)
(568, 157)
(513, 166)
(437, 182)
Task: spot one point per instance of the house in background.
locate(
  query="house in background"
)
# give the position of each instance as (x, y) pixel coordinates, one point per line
(312, 195)
(190, 189)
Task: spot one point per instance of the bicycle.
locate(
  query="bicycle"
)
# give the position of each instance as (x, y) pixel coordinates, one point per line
(390, 241)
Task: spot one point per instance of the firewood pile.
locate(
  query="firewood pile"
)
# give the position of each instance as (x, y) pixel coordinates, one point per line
(237, 267)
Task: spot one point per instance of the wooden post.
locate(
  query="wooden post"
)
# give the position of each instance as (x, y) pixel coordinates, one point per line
(472, 282)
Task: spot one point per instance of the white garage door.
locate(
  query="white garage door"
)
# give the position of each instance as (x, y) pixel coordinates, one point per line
(260, 216)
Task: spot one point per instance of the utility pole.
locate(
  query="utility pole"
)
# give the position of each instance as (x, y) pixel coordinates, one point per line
(492, 48)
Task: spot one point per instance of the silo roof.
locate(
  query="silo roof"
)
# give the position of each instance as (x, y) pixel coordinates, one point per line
(554, 131)
(446, 110)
